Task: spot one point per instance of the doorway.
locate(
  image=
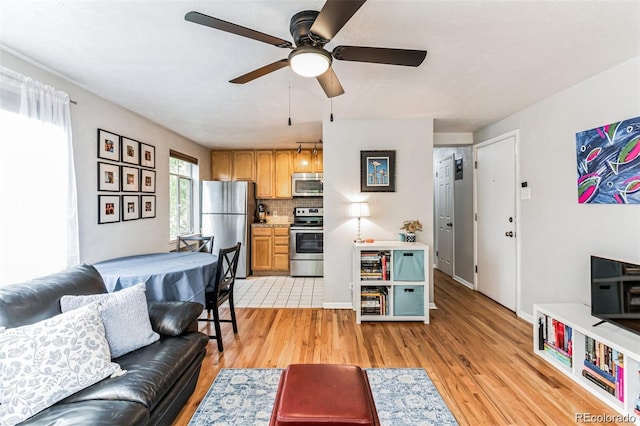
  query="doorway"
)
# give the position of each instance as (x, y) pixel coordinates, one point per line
(496, 251)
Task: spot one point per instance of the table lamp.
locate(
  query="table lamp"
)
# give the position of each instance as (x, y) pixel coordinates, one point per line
(359, 210)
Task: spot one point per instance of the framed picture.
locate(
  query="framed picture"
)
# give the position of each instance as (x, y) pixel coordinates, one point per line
(130, 179)
(377, 171)
(108, 208)
(130, 207)
(108, 177)
(130, 151)
(148, 180)
(147, 155)
(108, 145)
(148, 206)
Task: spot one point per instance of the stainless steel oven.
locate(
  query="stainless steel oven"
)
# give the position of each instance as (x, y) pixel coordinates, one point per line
(306, 243)
(306, 184)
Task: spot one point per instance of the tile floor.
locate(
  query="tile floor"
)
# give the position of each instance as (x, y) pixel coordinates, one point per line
(279, 292)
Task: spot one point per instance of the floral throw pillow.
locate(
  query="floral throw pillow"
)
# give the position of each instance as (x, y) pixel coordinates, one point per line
(125, 315)
(43, 363)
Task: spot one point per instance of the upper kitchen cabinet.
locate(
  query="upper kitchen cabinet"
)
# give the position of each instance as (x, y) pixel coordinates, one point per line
(265, 171)
(243, 165)
(273, 174)
(233, 165)
(221, 168)
(282, 174)
(306, 162)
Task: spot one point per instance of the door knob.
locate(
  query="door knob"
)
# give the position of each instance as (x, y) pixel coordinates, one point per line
(509, 234)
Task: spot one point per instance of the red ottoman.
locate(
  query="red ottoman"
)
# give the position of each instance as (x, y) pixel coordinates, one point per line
(322, 394)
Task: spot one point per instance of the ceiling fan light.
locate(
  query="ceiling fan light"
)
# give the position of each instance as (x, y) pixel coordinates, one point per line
(309, 61)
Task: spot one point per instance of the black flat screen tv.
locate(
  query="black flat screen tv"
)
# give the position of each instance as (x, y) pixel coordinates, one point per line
(615, 292)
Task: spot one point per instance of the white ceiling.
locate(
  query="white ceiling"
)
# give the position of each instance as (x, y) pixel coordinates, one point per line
(486, 60)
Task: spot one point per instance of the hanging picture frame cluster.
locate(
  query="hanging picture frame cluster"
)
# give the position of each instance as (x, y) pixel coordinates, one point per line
(126, 172)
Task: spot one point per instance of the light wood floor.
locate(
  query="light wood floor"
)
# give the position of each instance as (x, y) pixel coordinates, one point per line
(478, 354)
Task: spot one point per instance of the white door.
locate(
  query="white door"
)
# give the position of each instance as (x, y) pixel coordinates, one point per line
(496, 220)
(444, 207)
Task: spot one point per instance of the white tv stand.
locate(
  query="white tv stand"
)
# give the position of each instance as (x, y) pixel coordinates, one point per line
(626, 343)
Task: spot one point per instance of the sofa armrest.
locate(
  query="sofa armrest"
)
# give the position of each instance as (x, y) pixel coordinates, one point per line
(173, 318)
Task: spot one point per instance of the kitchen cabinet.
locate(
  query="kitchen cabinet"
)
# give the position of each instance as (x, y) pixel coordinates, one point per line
(265, 173)
(243, 165)
(306, 162)
(282, 174)
(269, 250)
(273, 174)
(221, 168)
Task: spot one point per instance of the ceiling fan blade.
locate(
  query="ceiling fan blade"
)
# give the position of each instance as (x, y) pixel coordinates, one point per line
(330, 83)
(260, 72)
(219, 24)
(333, 16)
(380, 55)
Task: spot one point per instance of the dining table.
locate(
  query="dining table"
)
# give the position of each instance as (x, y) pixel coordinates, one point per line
(172, 276)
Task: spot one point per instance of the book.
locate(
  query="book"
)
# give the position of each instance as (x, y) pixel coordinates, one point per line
(599, 371)
(598, 382)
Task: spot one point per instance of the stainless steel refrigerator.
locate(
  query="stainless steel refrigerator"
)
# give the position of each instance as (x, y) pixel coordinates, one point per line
(227, 213)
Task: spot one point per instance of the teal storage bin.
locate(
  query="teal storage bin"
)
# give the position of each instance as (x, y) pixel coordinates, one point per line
(408, 265)
(408, 300)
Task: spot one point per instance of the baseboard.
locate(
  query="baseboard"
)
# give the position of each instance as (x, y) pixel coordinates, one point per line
(340, 305)
(464, 282)
(432, 306)
(525, 316)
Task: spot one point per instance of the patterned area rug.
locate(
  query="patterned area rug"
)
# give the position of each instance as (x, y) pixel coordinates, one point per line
(403, 396)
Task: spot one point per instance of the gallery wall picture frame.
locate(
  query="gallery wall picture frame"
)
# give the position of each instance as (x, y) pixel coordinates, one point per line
(108, 145)
(108, 177)
(108, 209)
(130, 179)
(147, 155)
(147, 180)
(130, 207)
(377, 171)
(130, 151)
(147, 206)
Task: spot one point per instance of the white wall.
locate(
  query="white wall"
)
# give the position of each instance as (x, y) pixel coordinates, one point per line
(342, 142)
(99, 242)
(557, 235)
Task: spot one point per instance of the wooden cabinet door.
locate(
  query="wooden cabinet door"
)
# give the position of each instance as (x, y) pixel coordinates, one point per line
(265, 174)
(302, 161)
(243, 165)
(221, 165)
(282, 174)
(261, 249)
(317, 162)
(281, 249)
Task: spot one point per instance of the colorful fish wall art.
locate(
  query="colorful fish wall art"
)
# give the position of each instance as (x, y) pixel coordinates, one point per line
(609, 163)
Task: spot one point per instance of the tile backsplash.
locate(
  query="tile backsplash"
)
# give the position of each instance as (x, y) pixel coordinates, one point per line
(285, 208)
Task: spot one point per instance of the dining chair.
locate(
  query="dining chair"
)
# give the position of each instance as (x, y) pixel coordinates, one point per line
(223, 291)
(203, 244)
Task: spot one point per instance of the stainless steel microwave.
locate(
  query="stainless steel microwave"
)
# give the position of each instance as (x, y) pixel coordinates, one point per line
(306, 184)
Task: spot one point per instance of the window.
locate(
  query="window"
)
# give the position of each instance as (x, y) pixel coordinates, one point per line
(38, 213)
(183, 190)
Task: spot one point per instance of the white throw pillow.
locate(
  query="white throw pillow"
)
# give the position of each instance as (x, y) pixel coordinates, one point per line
(125, 316)
(43, 363)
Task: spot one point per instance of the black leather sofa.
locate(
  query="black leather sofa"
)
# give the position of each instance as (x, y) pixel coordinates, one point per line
(160, 377)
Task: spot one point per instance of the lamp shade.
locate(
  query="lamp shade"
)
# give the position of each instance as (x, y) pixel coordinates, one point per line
(359, 210)
(309, 61)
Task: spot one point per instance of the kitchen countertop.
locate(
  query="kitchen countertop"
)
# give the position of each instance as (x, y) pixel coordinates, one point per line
(270, 225)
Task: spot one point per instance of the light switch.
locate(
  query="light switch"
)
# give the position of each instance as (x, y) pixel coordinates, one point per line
(525, 193)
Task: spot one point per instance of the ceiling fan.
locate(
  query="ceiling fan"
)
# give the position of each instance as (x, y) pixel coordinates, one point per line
(311, 31)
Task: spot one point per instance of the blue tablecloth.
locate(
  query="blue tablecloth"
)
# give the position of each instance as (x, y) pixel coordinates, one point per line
(168, 276)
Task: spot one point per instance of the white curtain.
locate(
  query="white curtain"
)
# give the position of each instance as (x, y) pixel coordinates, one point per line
(38, 195)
